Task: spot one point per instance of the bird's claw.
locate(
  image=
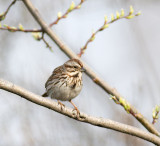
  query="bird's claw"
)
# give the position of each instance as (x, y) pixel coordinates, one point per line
(78, 112)
(61, 104)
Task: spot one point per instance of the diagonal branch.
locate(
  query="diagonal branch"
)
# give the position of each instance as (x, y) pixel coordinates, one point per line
(72, 7)
(106, 25)
(89, 72)
(101, 122)
(2, 17)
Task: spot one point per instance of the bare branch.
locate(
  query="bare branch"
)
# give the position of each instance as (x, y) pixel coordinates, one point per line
(89, 72)
(40, 36)
(3, 15)
(47, 44)
(101, 122)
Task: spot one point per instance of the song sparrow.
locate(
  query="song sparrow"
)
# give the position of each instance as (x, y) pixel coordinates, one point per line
(65, 83)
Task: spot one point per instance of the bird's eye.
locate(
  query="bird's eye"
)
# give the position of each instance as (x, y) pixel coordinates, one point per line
(75, 66)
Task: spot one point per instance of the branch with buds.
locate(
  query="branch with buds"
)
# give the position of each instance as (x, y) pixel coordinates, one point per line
(101, 122)
(155, 114)
(46, 29)
(106, 25)
(89, 71)
(71, 8)
(36, 32)
(3, 15)
(59, 17)
(19, 28)
(38, 36)
(127, 107)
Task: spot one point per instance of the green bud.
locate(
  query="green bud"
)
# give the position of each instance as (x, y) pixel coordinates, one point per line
(117, 15)
(92, 38)
(5, 25)
(122, 12)
(130, 16)
(20, 26)
(59, 15)
(36, 35)
(106, 18)
(112, 17)
(153, 114)
(157, 108)
(105, 26)
(139, 13)
(131, 10)
(12, 29)
(72, 6)
(2, 16)
(127, 107)
(122, 101)
(114, 99)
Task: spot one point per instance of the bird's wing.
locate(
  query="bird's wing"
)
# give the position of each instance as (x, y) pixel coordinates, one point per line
(55, 74)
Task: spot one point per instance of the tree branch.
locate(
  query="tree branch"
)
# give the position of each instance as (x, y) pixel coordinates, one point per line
(2, 17)
(106, 25)
(72, 7)
(101, 122)
(89, 72)
(14, 29)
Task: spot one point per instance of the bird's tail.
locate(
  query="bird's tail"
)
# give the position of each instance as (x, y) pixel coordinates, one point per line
(45, 94)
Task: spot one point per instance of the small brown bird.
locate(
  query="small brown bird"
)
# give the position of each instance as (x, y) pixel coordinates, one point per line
(65, 83)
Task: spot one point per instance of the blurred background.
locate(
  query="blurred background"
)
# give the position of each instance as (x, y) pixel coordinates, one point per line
(125, 55)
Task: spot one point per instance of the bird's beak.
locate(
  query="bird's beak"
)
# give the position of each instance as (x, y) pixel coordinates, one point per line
(82, 69)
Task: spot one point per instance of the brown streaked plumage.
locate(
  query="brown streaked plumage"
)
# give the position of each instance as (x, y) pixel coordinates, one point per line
(65, 83)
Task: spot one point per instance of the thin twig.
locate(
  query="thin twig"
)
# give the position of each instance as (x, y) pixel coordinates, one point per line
(12, 3)
(47, 44)
(155, 114)
(6, 12)
(14, 29)
(106, 25)
(155, 119)
(101, 122)
(67, 12)
(89, 72)
(40, 36)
